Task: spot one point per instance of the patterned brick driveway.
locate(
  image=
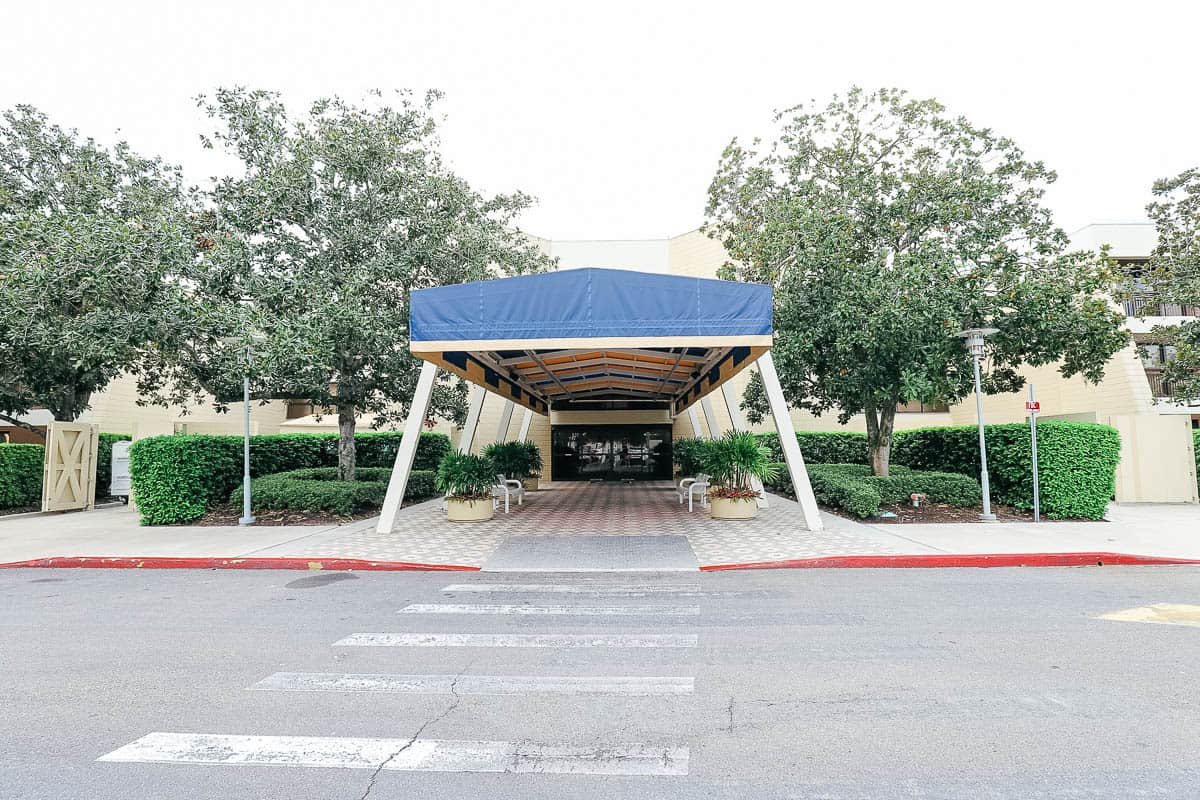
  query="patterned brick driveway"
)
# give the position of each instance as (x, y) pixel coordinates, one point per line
(568, 509)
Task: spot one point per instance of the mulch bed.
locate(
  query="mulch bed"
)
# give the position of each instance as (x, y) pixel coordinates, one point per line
(229, 515)
(939, 512)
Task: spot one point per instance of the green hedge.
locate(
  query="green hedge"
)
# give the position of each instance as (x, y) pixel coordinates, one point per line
(21, 470)
(178, 478)
(843, 447)
(1195, 451)
(852, 487)
(317, 489)
(1077, 462)
(20, 475)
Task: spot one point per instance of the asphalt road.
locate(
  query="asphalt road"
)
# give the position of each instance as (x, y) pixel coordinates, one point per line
(967, 683)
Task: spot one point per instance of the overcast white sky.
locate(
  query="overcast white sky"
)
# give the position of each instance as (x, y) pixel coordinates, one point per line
(613, 114)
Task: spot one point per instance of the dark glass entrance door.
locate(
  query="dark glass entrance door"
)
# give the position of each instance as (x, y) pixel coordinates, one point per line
(611, 452)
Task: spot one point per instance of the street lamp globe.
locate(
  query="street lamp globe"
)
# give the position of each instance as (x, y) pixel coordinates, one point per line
(975, 339)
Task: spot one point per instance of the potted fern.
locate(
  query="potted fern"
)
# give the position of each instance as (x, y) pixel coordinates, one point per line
(520, 461)
(686, 453)
(467, 481)
(732, 463)
(532, 465)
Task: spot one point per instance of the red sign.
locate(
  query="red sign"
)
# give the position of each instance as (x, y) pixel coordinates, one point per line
(1033, 406)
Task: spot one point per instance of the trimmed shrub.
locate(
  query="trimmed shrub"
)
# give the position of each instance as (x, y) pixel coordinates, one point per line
(852, 487)
(1077, 462)
(20, 475)
(378, 449)
(848, 490)
(178, 478)
(822, 448)
(318, 489)
(104, 460)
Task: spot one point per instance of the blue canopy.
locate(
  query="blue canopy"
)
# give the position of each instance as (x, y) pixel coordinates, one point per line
(589, 303)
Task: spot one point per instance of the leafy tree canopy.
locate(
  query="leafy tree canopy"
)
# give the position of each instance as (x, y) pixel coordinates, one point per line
(87, 234)
(336, 215)
(886, 226)
(1173, 275)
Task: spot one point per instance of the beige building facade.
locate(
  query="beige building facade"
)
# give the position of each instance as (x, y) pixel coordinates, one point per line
(1157, 459)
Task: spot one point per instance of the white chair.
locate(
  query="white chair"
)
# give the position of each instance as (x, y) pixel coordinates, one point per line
(690, 487)
(508, 488)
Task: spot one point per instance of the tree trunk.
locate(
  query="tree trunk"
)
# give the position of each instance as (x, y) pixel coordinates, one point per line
(880, 446)
(346, 452)
(68, 405)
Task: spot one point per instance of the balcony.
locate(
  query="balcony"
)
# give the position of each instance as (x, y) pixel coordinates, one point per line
(1149, 306)
(1159, 387)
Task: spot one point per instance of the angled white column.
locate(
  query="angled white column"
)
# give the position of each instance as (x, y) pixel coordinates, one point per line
(398, 483)
(787, 441)
(694, 418)
(474, 406)
(526, 421)
(731, 402)
(739, 424)
(505, 421)
(710, 417)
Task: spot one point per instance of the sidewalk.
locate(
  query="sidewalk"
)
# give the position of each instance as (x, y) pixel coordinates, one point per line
(1157, 532)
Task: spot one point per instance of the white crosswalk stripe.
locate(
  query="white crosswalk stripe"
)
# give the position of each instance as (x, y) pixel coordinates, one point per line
(475, 684)
(563, 640)
(470, 755)
(426, 755)
(617, 589)
(553, 610)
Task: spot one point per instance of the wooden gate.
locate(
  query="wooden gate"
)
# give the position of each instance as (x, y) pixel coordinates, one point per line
(69, 476)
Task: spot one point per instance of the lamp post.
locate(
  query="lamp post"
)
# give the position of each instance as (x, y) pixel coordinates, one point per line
(975, 338)
(247, 517)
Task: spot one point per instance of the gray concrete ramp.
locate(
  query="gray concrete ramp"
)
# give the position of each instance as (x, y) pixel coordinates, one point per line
(582, 553)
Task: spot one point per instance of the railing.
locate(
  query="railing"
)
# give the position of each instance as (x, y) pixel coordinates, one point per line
(1159, 387)
(1149, 307)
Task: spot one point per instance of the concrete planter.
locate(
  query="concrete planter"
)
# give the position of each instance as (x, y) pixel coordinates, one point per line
(732, 507)
(469, 510)
(531, 484)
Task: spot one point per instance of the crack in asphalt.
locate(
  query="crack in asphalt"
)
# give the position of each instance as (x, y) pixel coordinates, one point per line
(447, 712)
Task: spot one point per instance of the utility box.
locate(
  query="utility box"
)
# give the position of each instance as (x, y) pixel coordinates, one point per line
(120, 484)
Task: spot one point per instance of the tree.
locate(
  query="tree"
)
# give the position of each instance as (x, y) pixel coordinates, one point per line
(87, 235)
(336, 216)
(1173, 275)
(887, 226)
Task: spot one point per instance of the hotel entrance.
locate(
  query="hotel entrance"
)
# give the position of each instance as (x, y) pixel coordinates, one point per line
(611, 452)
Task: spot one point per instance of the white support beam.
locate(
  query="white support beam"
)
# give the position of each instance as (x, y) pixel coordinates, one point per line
(505, 421)
(694, 418)
(710, 417)
(475, 405)
(731, 404)
(787, 441)
(739, 424)
(398, 483)
(526, 421)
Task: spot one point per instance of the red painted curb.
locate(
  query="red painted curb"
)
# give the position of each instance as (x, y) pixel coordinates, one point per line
(125, 562)
(939, 560)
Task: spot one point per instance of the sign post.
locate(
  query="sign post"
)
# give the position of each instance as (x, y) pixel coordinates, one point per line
(1033, 407)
